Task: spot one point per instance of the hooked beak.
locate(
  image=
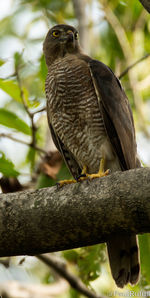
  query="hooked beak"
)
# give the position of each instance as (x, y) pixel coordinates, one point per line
(69, 36)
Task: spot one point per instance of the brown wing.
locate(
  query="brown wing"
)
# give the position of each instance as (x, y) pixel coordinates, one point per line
(69, 159)
(116, 112)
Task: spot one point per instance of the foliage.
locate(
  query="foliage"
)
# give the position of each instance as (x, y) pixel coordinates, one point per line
(118, 36)
(11, 120)
(7, 167)
(88, 260)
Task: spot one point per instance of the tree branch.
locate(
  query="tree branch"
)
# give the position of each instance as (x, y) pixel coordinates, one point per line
(9, 136)
(51, 219)
(61, 269)
(30, 114)
(132, 65)
(39, 111)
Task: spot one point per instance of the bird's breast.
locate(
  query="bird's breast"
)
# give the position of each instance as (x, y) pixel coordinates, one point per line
(73, 109)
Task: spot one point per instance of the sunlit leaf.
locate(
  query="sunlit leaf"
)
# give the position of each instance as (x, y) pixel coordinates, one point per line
(144, 241)
(31, 157)
(1, 62)
(71, 255)
(12, 89)
(11, 120)
(89, 262)
(43, 68)
(7, 167)
(74, 293)
(17, 59)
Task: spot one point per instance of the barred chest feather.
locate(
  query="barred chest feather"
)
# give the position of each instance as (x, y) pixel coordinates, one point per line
(73, 111)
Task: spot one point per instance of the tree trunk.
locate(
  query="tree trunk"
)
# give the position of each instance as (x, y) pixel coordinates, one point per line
(83, 20)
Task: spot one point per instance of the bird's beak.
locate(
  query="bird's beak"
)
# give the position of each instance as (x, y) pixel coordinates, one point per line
(65, 37)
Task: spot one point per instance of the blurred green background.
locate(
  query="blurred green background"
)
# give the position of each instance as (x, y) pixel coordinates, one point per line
(118, 34)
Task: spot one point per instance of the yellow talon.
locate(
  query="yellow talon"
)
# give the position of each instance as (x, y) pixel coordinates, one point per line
(84, 170)
(101, 172)
(65, 182)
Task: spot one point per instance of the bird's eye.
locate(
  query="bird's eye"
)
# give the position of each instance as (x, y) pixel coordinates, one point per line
(55, 33)
(69, 31)
(76, 35)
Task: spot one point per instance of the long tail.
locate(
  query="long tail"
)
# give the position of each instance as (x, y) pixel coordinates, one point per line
(123, 255)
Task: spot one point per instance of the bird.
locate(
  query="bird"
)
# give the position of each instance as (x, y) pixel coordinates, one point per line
(92, 126)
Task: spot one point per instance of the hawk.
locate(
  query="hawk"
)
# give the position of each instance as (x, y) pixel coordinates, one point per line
(92, 126)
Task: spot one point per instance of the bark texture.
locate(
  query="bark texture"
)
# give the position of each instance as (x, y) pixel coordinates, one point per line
(81, 214)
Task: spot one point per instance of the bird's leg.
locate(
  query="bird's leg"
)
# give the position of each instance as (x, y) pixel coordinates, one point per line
(84, 175)
(81, 177)
(84, 170)
(101, 172)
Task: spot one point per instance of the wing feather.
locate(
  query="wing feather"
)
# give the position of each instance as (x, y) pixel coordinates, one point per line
(116, 113)
(69, 159)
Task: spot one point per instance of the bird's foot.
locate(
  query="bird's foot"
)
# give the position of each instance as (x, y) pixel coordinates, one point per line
(101, 173)
(65, 182)
(84, 175)
(70, 181)
(98, 175)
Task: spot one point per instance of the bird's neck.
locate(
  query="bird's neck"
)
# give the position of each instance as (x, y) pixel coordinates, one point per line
(54, 54)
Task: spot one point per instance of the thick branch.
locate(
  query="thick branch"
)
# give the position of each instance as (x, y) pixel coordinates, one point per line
(81, 214)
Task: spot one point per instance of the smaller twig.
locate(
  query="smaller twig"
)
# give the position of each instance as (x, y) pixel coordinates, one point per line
(39, 111)
(8, 136)
(74, 281)
(31, 115)
(132, 65)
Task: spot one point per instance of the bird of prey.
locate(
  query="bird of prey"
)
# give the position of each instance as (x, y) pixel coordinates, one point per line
(92, 126)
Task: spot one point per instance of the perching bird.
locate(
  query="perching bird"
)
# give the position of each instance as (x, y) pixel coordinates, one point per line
(92, 126)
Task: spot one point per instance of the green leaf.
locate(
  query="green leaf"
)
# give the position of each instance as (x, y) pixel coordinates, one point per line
(30, 158)
(144, 242)
(71, 255)
(45, 181)
(43, 68)
(7, 167)
(12, 89)
(11, 120)
(18, 59)
(1, 62)
(89, 262)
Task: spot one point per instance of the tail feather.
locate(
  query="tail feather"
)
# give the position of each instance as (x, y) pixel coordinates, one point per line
(124, 259)
(135, 263)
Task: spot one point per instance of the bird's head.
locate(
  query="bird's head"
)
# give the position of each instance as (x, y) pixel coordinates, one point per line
(60, 40)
